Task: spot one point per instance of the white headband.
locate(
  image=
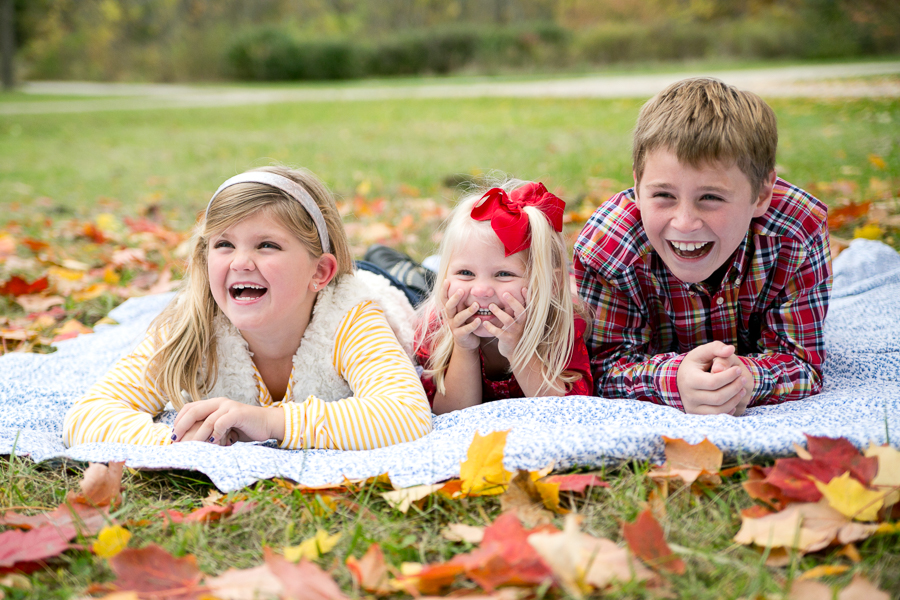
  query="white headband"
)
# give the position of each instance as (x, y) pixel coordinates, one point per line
(291, 188)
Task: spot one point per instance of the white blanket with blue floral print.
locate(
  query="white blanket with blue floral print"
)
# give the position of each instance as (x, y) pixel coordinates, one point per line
(861, 401)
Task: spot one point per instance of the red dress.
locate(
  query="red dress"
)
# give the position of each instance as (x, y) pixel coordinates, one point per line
(503, 389)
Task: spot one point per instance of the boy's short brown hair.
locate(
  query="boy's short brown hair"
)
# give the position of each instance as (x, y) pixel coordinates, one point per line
(704, 120)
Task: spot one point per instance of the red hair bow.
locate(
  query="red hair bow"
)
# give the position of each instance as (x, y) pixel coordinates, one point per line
(509, 221)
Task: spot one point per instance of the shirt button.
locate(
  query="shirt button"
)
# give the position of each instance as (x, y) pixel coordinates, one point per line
(720, 300)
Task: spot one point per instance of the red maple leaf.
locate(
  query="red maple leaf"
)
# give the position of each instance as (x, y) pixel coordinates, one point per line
(152, 570)
(85, 519)
(34, 545)
(505, 556)
(646, 539)
(16, 286)
(575, 483)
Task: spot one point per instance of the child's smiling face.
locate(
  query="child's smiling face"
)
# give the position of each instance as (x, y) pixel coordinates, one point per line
(696, 217)
(261, 275)
(484, 274)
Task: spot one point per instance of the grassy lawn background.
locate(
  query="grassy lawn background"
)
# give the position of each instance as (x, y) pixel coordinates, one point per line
(385, 160)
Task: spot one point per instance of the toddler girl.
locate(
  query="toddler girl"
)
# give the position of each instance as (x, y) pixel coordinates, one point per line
(273, 334)
(500, 322)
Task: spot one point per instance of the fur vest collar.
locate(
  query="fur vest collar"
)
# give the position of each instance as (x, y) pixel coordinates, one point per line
(313, 372)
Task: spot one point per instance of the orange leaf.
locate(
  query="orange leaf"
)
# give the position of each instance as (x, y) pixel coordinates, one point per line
(690, 462)
(153, 570)
(304, 580)
(370, 572)
(646, 539)
(841, 215)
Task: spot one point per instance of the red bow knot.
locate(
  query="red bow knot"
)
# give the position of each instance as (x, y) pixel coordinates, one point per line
(508, 219)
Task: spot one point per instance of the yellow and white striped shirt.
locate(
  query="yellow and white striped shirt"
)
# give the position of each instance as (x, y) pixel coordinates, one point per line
(388, 406)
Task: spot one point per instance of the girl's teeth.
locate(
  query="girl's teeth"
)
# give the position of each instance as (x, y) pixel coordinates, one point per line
(484, 312)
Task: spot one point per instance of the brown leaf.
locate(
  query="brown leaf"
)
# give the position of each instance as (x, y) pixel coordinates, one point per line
(522, 498)
(458, 532)
(101, 485)
(304, 580)
(862, 589)
(690, 462)
(36, 303)
(370, 572)
(809, 590)
(87, 520)
(258, 583)
(153, 570)
(646, 539)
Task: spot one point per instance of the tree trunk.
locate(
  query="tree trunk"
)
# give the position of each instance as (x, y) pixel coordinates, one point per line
(7, 43)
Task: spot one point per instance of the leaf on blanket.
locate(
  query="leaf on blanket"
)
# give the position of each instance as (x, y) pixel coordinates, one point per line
(370, 572)
(646, 539)
(482, 473)
(303, 581)
(690, 462)
(152, 570)
(101, 485)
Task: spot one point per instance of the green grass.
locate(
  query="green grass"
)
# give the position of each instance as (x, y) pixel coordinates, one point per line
(79, 165)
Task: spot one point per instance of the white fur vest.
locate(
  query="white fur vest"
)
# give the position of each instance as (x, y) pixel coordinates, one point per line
(314, 371)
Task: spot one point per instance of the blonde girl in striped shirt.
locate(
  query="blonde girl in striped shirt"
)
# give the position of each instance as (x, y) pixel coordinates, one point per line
(273, 334)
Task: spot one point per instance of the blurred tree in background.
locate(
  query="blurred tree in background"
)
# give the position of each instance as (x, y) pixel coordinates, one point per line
(185, 40)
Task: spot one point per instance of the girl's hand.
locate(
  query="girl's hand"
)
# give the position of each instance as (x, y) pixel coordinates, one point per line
(509, 335)
(222, 421)
(456, 318)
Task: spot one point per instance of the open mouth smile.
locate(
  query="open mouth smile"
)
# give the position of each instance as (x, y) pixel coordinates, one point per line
(690, 249)
(484, 312)
(247, 291)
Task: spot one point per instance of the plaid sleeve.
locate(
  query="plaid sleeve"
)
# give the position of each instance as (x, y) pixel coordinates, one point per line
(792, 342)
(619, 345)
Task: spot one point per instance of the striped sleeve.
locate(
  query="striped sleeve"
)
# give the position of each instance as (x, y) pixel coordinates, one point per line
(388, 405)
(120, 407)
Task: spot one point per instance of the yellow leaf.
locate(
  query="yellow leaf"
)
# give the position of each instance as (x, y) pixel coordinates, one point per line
(889, 528)
(110, 276)
(110, 541)
(877, 162)
(403, 498)
(66, 274)
(482, 473)
(313, 548)
(72, 326)
(872, 231)
(89, 293)
(888, 477)
(850, 498)
(364, 187)
(107, 223)
(323, 505)
(823, 570)
(550, 496)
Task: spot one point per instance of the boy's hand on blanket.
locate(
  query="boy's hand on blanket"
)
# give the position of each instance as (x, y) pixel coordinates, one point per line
(222, 421)
(704, 392)
(722, 364)
(509, 335)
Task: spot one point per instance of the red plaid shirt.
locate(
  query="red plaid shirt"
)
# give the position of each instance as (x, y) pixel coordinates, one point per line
(771, 303)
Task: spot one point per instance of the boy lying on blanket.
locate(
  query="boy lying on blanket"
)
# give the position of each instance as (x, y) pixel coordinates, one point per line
(710, 277)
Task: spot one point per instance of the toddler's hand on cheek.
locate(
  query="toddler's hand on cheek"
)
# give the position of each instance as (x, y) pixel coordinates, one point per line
(457, 315)
(510, 333)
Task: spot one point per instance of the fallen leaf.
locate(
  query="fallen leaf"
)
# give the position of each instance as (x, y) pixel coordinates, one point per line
(257, 583)
(505, 557)
(16, 286)
(151, 569)
(101, 485)
(70, 329)
(430, 579)
(862, 589)
(850, 498)
(312, 548)
(370, 572)
(690, 462)
(580, 561)
(575, 483)
(823, 571)
(403, 498)
(877, 162)
(34, 545)
(838, 216)
(887, 478)
(757, 487)
(482, 473)
(84, 519)
(809, 590)
(458, 532)
(35, 303)
(110, 541)
(646, 539)
(304, 580)
(805, 527)
(15, 581)
(523, 498)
